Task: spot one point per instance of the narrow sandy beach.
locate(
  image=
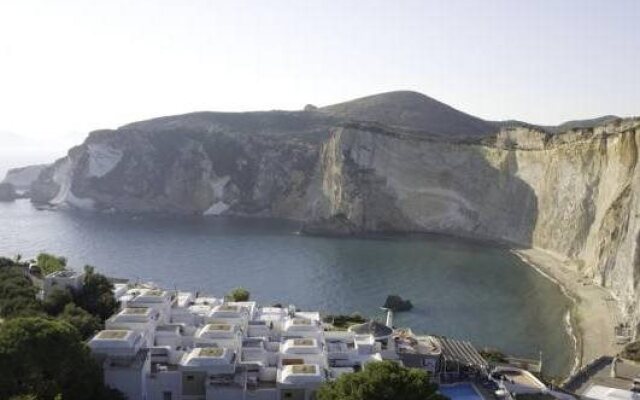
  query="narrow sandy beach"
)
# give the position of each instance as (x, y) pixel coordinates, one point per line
(595, 313)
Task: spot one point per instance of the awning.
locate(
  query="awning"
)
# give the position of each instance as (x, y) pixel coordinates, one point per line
(462, 352)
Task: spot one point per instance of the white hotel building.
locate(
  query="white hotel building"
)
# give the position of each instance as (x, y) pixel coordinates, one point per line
(166, 345)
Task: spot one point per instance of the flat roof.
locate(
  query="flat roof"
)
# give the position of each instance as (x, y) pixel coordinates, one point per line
(304, 342)
(112, 334)
(135, 310)
(212, 352)
(65, 273)
(219, 327)
(228, 307)
(598, 392)
(303, 369)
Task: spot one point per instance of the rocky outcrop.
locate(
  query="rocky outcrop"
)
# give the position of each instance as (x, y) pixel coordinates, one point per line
(23, 178)
(422, 167)
(7, 192)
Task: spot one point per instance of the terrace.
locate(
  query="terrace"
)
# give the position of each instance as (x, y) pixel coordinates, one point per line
(220, 359)
(112, 335)
(301, 346)
(301, 374)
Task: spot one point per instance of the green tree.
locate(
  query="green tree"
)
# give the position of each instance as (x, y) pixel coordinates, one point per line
(49, 263)
(56, 301)
(85, 323)
(384, 380)
(17, 294)
(96, 295)
(45, 357)
(6, 262)
(238, 294)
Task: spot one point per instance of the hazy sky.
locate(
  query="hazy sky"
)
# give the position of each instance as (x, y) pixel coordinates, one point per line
(68, 67)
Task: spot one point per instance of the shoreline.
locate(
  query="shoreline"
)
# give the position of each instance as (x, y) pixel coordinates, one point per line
(593, 313)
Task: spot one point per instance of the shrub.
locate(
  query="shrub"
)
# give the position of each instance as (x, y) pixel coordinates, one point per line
(238, 294)
(49, 263)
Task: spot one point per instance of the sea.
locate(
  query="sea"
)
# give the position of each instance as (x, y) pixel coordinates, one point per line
(463, 289)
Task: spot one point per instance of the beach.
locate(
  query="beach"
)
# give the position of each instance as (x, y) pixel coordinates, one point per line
(595, 312)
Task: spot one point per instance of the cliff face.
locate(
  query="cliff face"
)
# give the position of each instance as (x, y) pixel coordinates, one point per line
(572, 193)
(22, 178)
(198, 164)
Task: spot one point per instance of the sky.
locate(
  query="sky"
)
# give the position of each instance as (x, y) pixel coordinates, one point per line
(69, 67)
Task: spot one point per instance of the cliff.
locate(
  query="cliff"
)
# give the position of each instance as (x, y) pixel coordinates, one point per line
(7, 192)
(22, 178)
(420, 166)
(573, 194)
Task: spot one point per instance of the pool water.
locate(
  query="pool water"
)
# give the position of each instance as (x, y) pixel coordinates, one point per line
(460, 391)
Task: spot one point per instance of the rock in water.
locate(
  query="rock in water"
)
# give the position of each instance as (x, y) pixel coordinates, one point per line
(397, 303)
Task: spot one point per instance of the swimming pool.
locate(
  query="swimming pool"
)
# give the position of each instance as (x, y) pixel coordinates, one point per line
(460, 391)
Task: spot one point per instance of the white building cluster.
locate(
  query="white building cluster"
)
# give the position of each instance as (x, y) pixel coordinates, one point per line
(168, 345)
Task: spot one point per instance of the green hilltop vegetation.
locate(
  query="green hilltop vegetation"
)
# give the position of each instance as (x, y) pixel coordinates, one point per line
(43, 354)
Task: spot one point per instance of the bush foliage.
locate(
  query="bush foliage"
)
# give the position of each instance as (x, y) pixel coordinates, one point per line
(49, 263)
(42, 352)
(383, 380)
(239, 294)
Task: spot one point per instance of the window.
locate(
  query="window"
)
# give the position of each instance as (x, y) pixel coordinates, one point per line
(166, 395)
(190, 378)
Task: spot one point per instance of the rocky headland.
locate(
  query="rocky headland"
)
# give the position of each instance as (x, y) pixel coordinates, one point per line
(395, 162)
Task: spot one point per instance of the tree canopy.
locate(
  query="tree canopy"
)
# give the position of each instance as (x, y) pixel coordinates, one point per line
(239, 294)
(45, 357)
(96, 295)
(56, 301)
(50, 263)
(86, 324)
(384, 380)
(17, 293)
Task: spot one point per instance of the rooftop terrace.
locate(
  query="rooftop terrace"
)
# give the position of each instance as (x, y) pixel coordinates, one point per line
(112, 335)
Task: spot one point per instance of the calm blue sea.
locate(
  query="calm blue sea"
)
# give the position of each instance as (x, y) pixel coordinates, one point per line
(463, 289)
